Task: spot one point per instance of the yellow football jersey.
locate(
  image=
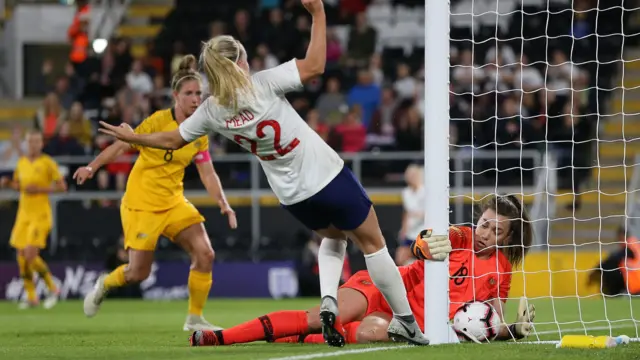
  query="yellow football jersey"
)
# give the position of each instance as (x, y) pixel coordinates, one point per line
(41, 172)
(155, 182)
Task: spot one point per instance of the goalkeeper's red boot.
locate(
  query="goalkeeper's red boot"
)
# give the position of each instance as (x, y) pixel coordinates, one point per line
(206, 338)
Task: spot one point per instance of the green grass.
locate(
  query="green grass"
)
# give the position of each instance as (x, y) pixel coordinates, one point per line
(153, 330)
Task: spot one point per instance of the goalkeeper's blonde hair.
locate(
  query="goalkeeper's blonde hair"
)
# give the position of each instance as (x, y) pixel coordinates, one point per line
(520, 230)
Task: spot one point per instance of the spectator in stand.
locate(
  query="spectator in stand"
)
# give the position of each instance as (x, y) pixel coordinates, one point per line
(122, 63)
(562, 74)
(366, 94)
(334, 48)
(362, 42)
(351, 134)
(383, 118)
(10, 151)
(405, 84)
(270, 60)
(375, 66)
(179, 52)
(63, 144)
(78, 34)
(409, 132)
(527, 77)
(466, 75)
(572, 134)
(314, 122)
(66, 94)
(257, 65)
(276, 34)
(79, 126)
(241, 30)
(300, 36)
(332, 103)
(45, 82)
(49, 116)
(138, 80)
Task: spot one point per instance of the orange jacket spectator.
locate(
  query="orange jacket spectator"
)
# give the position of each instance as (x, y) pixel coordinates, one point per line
(78, 33)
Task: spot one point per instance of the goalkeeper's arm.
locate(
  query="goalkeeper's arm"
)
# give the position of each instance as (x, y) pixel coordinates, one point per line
(523, 325)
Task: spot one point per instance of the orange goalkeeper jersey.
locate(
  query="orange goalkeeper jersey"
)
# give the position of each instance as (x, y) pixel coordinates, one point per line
(470, 278)
(155, 182)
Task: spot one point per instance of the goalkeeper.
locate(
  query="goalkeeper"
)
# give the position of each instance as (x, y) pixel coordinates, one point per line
(479, 267)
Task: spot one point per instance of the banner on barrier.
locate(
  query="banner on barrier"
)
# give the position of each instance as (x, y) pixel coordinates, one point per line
(168, 280)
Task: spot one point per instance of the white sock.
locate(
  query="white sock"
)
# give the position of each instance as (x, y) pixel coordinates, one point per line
(330, 263)
(386, 277)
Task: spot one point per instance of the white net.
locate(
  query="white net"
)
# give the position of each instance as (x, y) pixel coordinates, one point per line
(545, 105)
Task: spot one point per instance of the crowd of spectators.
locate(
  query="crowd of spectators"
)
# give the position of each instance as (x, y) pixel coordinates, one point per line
(369, 98)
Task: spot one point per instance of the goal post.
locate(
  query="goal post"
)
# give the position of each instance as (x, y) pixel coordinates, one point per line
(559, 79)
(436, 163)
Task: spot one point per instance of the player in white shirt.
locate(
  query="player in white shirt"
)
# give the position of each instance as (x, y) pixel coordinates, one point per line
(308, 177)
(412, 215)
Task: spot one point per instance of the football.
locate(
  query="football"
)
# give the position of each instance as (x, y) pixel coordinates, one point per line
(476, 322)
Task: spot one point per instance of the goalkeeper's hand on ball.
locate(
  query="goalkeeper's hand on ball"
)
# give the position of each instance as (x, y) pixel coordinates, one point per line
(524, 322)
(431, 247)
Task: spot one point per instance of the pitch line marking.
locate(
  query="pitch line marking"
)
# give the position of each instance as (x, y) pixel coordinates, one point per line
(384, 348)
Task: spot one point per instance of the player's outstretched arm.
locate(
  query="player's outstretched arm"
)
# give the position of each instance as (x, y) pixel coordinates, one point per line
(523, 325)
(106, 156)
(316, 58)
(212, 183)
(166, 140)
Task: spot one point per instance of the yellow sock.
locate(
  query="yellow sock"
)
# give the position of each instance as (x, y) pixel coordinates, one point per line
(199, 286)
(27, 277)
(115, 278)
(38, 265)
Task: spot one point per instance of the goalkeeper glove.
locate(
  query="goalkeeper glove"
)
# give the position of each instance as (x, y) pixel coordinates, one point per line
(524, 322)
(431, 247)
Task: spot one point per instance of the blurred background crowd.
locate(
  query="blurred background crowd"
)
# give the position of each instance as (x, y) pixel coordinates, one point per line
(520, 92)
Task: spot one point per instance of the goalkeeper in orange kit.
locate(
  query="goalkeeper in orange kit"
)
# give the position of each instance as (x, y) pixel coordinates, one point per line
(154, 203)
(480, 270)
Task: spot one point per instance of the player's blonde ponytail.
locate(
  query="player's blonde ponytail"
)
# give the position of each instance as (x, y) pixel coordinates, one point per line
(227, 81)
(185, 72)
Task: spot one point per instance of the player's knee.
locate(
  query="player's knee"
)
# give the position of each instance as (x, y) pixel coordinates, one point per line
(203, 259)
(371, 334)
(136, 274)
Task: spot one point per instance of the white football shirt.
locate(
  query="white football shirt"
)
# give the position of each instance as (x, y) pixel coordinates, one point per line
(297, 162)
(413, 203)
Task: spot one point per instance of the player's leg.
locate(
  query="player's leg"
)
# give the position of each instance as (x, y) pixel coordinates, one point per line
(27, 278)
(283, 324)
(373, 328)
(37, 241)
(316, 215)
(195, 241)
(354, 214)
(141, 232)
(18, 241)
(386, 277)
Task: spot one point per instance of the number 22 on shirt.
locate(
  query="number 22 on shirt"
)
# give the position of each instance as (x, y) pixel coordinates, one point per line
(261, 134)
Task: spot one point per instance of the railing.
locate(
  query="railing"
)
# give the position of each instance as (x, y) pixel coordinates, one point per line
(359, 163)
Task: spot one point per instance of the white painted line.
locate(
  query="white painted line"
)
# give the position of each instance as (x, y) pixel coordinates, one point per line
(341, 353)
(384, 348)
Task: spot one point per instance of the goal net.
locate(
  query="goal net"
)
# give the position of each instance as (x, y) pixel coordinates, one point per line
(544, 104)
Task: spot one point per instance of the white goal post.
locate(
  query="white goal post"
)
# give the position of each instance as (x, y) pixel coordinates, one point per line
(579, 76)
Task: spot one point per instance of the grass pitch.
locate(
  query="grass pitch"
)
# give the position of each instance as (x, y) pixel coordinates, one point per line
(153, 330)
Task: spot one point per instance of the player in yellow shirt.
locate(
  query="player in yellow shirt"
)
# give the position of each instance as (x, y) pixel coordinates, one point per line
(36, 175)
(154, 203)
